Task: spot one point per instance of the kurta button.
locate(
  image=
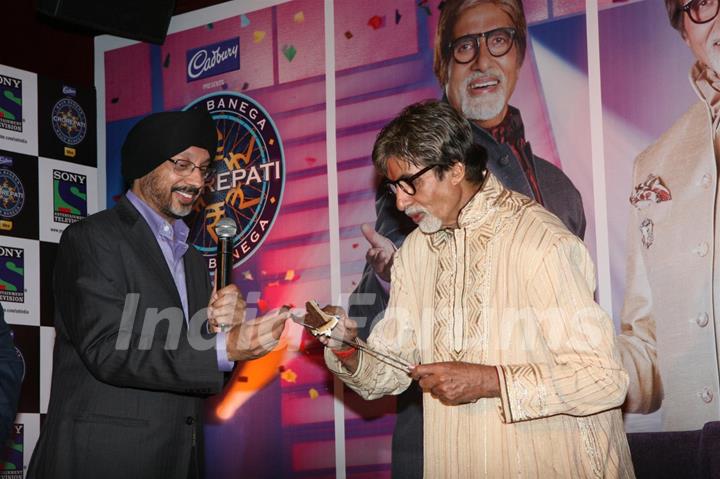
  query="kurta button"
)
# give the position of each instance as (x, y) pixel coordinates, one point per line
(504, 160)
(702, 319)
(189, 420)
(701, 249)
(706, 395)
(706, 180)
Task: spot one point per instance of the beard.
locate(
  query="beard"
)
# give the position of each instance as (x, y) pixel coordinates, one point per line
(429, 223)
(158, 193)
(484, 107)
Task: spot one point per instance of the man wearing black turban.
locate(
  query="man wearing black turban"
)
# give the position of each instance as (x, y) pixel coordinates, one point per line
(139, 338)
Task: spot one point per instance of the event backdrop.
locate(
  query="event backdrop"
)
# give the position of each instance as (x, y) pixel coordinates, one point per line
(48, 180)
(282, 416)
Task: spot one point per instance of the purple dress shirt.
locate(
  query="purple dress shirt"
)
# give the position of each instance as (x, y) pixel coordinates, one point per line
(172, 239)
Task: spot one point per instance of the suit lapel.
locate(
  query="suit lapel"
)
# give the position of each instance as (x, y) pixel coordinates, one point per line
(145, 244)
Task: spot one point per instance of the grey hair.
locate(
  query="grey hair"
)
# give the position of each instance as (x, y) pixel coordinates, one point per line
(675, 15)
(428, 133)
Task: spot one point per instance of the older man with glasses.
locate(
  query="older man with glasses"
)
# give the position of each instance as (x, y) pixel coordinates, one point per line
(479, 49)
(492, 300)
(670, 320)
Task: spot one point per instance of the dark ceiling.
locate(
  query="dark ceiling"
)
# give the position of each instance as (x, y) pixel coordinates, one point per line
(53, 48)
(184, 6)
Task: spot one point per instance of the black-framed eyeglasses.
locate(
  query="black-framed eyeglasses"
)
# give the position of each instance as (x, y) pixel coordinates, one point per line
(701, 11)
(406, 183)
(498, 42)
(186, 168)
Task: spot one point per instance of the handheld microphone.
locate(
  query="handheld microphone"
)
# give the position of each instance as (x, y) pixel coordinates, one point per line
(225, 231)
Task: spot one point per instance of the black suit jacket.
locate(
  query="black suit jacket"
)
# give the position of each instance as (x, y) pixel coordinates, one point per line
(560, 197)
(124, 404)
(11, 371)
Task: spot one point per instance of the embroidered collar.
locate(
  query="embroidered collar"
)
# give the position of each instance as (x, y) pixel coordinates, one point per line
(482, 207)
(488, 213)
(706, 84)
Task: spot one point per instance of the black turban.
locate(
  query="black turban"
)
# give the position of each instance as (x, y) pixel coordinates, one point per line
(158, 137)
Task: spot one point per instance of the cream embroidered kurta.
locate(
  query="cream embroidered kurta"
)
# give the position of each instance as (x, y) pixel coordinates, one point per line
(510, 287)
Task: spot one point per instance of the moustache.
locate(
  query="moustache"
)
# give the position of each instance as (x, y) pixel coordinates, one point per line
(413, 210)
(491, 72)
(191, 190)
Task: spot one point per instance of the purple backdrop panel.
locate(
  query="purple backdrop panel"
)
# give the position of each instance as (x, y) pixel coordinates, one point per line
(536, 10)
(381, 109)
(305, 459)
(300, 50)
(293, 96)
(307, 158)
(301, 124)
(360, 27)
(127, 82)
(305, 408)
(567, 7)
(367, 451)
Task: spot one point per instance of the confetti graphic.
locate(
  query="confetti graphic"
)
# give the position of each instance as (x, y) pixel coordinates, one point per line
(376, 22)
(289, 376)
(289, 51)
(262, 305)
(258, 36)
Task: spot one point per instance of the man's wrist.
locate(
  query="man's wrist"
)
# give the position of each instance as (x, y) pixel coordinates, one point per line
(490, 382)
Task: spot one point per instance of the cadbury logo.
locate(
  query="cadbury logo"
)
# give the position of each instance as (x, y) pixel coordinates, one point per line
(213, 59)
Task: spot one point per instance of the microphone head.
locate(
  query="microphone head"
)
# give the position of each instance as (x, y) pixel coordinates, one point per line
(225, 228)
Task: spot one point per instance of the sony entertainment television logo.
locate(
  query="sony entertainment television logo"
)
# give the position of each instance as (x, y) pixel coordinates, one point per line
(69, 196)
(214, 59)
(12, 274)
(11, 454)
(10, 103)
